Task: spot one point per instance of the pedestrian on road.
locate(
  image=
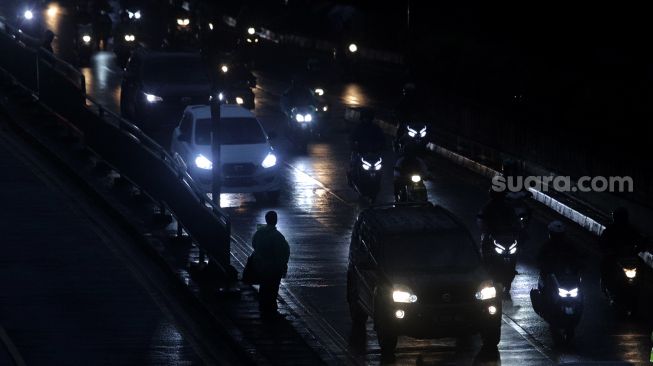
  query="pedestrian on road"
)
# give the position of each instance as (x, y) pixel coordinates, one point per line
(271, 253)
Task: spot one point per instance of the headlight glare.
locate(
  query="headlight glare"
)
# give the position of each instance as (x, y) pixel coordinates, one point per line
(486, 293)
(568, 293)
(239, 100)
(151, 98)
(415, 178)
(631, 273)
(203, 163)
(403, 295)
(269, 161)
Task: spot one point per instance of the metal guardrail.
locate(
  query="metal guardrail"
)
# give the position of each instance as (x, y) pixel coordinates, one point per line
(61, 87)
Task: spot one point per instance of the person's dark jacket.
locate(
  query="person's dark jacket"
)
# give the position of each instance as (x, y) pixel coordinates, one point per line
(497, 215)
(556, 253)
(367, 137)
(271, 251)
(620, 239)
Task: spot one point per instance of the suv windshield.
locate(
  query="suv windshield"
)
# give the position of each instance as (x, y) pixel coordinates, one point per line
(419, 252)
(235, 131)
(175, 70)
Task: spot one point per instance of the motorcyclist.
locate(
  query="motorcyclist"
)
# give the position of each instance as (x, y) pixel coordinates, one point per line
(497, 214)
(556, 254)
(407, 110)
(620, 237)
(517, 198)
(407, 165)
(367, 137)
(299, 94)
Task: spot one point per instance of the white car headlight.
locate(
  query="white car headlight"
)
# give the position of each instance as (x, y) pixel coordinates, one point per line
(631, 273)
(203, 163)
(567, 293)
(151, 98)
(486, 293)
(404, 295)
(319, 91)
(220, 96)
(86, 38)
(239, 100)
(269, 161)
(415, 178)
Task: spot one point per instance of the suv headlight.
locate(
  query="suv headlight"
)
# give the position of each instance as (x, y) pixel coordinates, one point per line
(631, 273)
(130, 38)
(203, 163)
(568, 293)
(151, 98)
(486, 292)
(403, 294)
(269, 161)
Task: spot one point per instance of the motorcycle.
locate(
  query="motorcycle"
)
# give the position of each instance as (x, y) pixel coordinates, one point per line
(365, 176)
(559, 301)
(303, 125)
(412, 190)
(620, 283)
(414, 138)
(84, 44)
(500, 256)
(182, 32)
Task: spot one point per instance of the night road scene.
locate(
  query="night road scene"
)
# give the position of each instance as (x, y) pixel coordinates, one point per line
(325, 182)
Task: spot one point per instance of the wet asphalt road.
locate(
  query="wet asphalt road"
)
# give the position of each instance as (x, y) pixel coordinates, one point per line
(317, 210)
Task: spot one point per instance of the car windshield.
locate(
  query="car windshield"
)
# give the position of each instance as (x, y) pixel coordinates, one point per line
(175, 70)
(235, 131)
(420, 252)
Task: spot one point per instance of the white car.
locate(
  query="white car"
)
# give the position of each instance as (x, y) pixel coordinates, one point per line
(249, 164)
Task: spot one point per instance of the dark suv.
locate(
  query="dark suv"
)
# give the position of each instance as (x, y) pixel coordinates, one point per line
(157, 87)
(415, 270)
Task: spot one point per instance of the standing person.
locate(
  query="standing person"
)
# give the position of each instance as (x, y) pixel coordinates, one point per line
(271, 253)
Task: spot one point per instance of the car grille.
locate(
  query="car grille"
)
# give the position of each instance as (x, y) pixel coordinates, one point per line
(238, 170)
(446, 296)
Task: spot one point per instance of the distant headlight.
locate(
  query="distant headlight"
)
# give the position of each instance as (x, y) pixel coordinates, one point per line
(28, 15)
(203, 163)
(319, 91)
(631, 273)
(411, 132)
(415, 178)
(211, 26)
(86, 38)
(134, 15)
(325, 108)
(183, 22)
(224, 69)
(308, 117)
(220, 96)
(269, 161)
(422, 132)
(567, 293)
(403, 294)
(251, 30)
(303, 117)
(299, 117)
(130, 38)
(353, 48)
(151, 98)
(239, 100)
(486, 293)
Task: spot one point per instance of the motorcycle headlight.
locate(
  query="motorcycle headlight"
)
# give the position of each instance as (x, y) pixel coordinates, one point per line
(325, 108)
(239, 100)
(151, 98)
(378, 165)
(422, 132)
(269, 161)
(183, 22)
(86, 38)
(411, 132)
(203, 163)
(319, 91)
(251, 30)
(415, 178)
(28, 14)
(224, 69)
(631, 273)
(366, 165)
(137, 14)
(130, 38)
(403, 294)
(568, 293)
(255, 40)
(211, 26)
(299, 117)
(249, 40)
(486, 292)
(513, 248)
(500, 249)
